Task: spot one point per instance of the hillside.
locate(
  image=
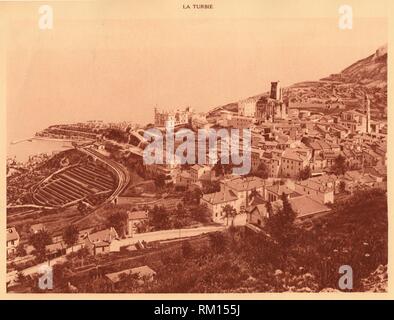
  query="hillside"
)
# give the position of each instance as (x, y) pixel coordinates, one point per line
(341, 90)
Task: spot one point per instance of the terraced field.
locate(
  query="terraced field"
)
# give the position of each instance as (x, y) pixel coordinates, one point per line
(74, 184)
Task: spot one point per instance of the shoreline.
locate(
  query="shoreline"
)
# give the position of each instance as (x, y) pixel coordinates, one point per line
(21, 151)
(47, 139)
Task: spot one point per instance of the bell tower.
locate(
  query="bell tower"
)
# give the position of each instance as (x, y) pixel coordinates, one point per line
(367, 111)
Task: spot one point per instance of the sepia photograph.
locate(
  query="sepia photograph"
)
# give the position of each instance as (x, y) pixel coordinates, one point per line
(169, 147)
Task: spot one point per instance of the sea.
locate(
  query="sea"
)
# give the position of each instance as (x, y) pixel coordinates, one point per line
(21, 151)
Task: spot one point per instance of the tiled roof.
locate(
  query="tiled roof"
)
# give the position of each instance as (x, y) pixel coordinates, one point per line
(106, 235)
(12, 234)
(293, 155)
(280, 189)
(305, 206)
(222, 196)
(314, 185)
(242, 184)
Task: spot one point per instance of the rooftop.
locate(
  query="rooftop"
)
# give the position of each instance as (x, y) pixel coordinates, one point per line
(305, 206)
(242, 184)
(12, 234)
(106, 235)
(222, 196)
(280, 189)
(137, 215)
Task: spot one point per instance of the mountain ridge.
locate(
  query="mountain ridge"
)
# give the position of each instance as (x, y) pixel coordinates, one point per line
(346, 88)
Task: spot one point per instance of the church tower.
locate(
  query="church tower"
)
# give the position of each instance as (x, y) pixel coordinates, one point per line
(367, 111)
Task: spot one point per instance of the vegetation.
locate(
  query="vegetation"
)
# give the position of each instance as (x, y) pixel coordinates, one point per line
(210, 186)
(70, 235)
(118, 221)
(39, 240)
(262, 171)
(305, 173)
(286, 256)
(340, 166)
(229, 212)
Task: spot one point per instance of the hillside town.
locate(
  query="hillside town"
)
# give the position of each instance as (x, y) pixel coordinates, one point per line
(99, 204)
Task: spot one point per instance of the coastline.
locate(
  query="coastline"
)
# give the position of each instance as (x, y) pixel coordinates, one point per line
(47, 139)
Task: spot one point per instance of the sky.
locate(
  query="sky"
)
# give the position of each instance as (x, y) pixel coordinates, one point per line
(118, 62)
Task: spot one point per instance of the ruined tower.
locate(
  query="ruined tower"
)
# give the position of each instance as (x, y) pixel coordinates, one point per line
(276, 92)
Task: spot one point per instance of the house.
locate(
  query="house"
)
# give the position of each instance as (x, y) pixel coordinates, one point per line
(184, 178)
(354, 120)
(240, 122)
(329, 181)
(293, 162)
(134, 220)
(306, 207)
(275, 192)
(34, 228)
(247, 107)
(199, 172)
(256, 155)
(315, 189)
(218, 200)
(257, 214)
(103, 241)
(243, 188)
(372, 158)
(355, 180)
(302, 205)
(143, 274)
(378, 172)
(12, 240)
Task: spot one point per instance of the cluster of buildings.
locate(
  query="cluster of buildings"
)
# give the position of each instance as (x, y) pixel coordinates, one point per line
(298, 147)
(95, 241)
(310, 196)
(172, 118)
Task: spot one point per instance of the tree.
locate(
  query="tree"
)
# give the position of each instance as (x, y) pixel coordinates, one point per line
(210, 186)
(159, 218)
(340, 165)
(195, 196)
(229, 211)
(305, 173)
(82, 254)
(200, 213)
(39, 241)
(20, 250)
(262, 171)
(280, 225)
(118, 221)
(70, 235)
(342, 186)
(180, 211)
(21, 278)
